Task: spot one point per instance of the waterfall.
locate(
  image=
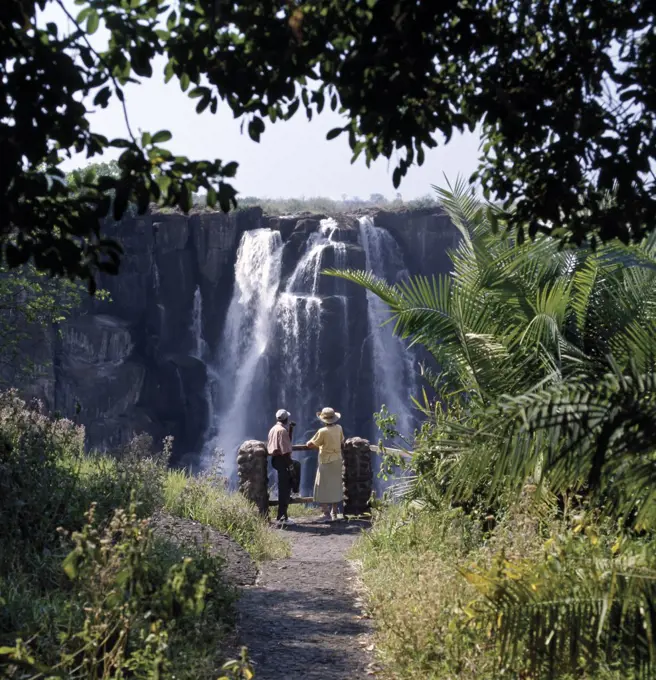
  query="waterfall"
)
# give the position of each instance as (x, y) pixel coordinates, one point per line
(296, 342)
(300, 326)
(304, 328)
(393, 364)
(239, 366)
(160, 307)
(199, 349)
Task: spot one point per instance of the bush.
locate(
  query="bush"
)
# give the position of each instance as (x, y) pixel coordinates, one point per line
(35, 488)
(431, 576)
(133, 609)
(125, 604)
(109, 481)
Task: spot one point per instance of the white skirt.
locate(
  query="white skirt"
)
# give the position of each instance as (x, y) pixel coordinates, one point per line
(328, 483)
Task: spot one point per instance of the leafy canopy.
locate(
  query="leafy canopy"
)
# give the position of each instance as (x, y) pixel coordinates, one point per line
(563, 92)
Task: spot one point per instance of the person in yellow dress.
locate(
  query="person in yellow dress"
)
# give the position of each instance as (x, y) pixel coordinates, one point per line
(328, 482)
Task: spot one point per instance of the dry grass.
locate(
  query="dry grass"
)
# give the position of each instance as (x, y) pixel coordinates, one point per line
(410, 565)
(418, 599)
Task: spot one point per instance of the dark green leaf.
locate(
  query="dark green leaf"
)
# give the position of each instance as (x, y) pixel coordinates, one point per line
(230, 169)
(161, 137)
(102, 97)
(93, 22)
(335, 132)
(255, 128)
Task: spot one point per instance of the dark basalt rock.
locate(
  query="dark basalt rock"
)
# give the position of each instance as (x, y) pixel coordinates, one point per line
(123, 366)
(425, 236)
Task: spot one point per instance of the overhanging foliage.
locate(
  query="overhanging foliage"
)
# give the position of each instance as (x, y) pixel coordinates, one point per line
(563, 92)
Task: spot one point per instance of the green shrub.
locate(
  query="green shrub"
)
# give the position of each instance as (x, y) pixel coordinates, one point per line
(35, 488)
(135, 468)
(433, 579)
(125, 604)
(136, 608)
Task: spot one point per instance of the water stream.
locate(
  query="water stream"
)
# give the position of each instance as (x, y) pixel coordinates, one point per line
(393, 364)
(199, 349)
(248, 328)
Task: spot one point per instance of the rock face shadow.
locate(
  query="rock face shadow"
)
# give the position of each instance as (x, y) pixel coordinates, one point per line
(301, 619)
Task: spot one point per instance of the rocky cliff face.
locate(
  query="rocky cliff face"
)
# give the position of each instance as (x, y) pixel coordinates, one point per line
(132, 364)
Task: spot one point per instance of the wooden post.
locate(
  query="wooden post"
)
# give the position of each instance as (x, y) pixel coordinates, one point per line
(252, 468)
(357, 476)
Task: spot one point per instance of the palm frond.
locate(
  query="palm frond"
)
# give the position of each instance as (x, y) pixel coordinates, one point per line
(599, 434)
(462, 206)
(577, 609)
(368, 280)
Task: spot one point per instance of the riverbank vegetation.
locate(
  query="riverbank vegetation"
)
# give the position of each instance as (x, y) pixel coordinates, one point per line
(523, 545)
(87, 589)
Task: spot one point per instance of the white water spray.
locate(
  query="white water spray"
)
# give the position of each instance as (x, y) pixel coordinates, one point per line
(393, 365)
(246, 336)
(199, 349)
(301, 325)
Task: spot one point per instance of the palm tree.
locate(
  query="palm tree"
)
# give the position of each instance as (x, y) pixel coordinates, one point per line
(547, 372)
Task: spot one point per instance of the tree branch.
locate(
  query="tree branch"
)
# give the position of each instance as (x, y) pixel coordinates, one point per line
(104, 63)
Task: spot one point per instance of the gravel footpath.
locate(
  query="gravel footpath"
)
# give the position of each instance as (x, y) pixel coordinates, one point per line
(300, 621)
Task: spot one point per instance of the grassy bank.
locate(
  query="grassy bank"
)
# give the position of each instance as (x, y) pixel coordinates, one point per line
(86, 589)
(424, 572)
(204, 498)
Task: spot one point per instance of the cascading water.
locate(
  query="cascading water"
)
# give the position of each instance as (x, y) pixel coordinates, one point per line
(239, 366)
(393, 364)
(300, 325)
(300, 343)
(199, 349)
(303, 322)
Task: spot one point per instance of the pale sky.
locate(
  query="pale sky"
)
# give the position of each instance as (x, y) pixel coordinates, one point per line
(292, 159)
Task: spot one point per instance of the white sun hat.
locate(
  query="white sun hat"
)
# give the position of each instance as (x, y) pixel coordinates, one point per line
(328, 415)
(282, 414)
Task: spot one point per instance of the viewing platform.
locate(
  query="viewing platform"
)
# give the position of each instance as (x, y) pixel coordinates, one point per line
(357, 475)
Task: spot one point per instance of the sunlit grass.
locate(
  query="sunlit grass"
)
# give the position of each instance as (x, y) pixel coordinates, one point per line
(204, 499)
(411, 566)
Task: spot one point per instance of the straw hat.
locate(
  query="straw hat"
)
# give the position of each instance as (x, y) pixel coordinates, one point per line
(328, 415)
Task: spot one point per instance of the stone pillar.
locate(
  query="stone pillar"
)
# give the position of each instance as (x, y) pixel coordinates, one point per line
(357, 476)
(252, 468)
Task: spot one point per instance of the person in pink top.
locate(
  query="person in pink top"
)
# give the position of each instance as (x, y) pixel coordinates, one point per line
(279, 447)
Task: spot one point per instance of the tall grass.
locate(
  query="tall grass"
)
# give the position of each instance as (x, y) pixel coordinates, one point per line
(204, 498)
(414, 564)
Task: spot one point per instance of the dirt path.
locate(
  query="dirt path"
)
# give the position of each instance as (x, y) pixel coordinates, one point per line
(300, 621)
